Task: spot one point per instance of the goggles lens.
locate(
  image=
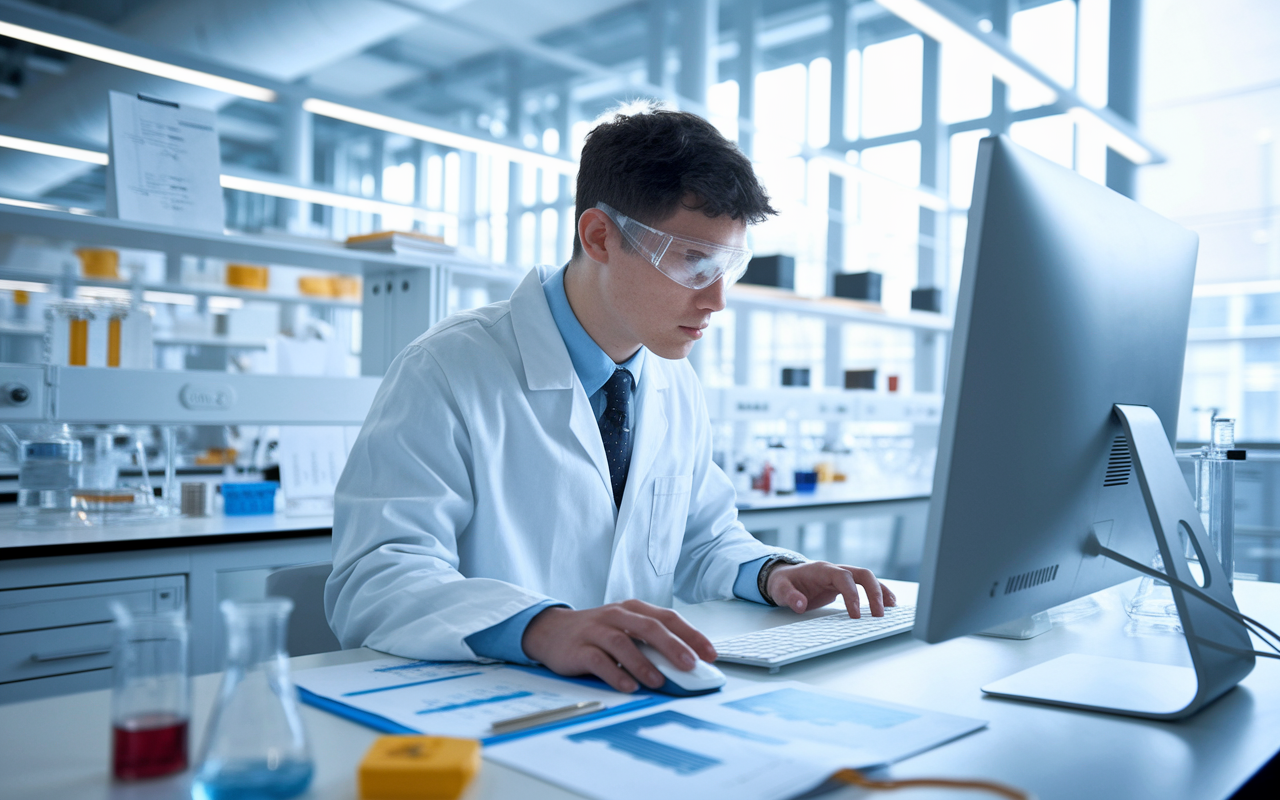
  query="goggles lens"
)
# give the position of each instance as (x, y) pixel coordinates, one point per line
(689, 262)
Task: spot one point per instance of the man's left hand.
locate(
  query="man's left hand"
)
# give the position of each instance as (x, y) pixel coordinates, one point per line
(801, 587)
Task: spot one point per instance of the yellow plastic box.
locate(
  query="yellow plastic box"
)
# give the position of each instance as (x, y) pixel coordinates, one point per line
(418, 768)
(248, 276)
(96, 262)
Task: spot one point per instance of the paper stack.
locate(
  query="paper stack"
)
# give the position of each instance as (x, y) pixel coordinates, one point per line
(405, 242)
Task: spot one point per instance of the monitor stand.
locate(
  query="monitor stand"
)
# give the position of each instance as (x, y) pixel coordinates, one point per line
(1220, 648)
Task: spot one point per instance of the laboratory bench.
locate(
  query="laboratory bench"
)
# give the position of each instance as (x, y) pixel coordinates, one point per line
(56, 584)
(59, 747)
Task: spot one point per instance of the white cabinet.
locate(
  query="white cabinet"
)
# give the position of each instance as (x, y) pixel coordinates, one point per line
(55, 618)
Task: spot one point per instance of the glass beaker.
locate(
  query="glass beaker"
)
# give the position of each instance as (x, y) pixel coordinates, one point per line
(255, 747)
(151, 700)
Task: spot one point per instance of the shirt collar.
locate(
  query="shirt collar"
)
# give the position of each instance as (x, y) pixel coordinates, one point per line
(593, 365)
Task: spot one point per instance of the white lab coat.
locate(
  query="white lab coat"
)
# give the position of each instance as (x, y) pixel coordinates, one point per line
(478, 487)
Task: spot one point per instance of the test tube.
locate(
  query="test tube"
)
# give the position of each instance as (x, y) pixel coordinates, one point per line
(1215, 493)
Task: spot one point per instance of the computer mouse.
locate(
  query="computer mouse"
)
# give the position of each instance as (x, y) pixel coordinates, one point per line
(702, 679)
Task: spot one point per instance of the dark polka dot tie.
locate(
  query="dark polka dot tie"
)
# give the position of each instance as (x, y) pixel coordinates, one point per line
(615, 430)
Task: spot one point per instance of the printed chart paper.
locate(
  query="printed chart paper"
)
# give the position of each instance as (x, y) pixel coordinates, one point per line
(767, 741)
(451, 698)
(165, 163)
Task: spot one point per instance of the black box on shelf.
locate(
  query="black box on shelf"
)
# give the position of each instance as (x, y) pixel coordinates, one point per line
(778, 271)
(860, 379)
(795, 376)
(858, 286)
(926, 300)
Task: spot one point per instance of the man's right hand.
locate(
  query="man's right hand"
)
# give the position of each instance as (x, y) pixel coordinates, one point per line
(600, 641)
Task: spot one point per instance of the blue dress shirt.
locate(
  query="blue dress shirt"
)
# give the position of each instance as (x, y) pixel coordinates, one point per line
(594, 368)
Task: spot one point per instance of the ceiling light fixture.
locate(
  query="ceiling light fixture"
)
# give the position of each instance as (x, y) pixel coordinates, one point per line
(326, 198)
(56, 150)
(439, 136)
(129, 61)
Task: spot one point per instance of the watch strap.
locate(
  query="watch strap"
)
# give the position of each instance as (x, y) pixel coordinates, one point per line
(762, 578)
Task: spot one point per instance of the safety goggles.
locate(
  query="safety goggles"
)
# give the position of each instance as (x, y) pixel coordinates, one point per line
(689, 262)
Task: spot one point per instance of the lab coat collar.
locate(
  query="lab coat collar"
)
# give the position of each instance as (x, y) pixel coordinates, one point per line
(542, 350)
(593, 365)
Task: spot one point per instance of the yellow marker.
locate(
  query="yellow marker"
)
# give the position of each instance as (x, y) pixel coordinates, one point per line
(78, 356)
(418, 768)
(21, 297)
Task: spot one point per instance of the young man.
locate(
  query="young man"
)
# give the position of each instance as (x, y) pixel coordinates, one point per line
(534, 481)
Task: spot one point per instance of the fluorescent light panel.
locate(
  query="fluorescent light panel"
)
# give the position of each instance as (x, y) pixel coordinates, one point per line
(129, 61)
(427, 133)
(326, 198)
(56, 150)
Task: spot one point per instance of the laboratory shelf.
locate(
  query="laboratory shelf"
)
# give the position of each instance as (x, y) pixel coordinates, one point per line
(194, 289)
(295, 252)
(833, 308)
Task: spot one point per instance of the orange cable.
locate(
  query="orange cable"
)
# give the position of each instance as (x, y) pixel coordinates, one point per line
(856, 778)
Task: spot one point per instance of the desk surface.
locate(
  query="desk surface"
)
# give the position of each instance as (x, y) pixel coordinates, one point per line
(58, 747)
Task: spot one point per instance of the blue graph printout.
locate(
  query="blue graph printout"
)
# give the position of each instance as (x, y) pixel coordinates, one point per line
(627, 737)
(450, 698)
(795, 705)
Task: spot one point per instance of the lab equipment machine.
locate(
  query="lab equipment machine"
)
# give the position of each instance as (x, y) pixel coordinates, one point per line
(1055, 462)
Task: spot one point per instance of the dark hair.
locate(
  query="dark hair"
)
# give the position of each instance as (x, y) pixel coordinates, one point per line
(648, 161)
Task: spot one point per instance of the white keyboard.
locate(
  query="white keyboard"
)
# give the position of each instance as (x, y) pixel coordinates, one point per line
(796, 641)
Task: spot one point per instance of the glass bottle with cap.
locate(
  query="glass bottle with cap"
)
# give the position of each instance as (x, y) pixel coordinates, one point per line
(50, 470)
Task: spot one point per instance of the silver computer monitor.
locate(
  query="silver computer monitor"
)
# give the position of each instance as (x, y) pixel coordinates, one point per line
(1073, 301)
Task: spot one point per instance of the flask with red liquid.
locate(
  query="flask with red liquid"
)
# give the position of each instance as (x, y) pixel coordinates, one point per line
(151, 699)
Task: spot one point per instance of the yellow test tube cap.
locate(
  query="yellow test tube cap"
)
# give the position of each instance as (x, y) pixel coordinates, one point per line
(418, 768)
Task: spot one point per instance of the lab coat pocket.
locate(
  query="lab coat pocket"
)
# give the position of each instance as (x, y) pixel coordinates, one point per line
(666, 525)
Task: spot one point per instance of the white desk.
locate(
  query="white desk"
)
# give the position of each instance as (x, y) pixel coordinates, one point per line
(58, 747)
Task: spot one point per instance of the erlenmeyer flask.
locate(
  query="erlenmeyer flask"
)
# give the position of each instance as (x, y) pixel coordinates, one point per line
(1152, 606)
(255, 747)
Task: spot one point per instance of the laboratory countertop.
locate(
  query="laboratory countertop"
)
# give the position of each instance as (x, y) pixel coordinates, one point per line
(1057, 754)
(833, 494)
(23, 542)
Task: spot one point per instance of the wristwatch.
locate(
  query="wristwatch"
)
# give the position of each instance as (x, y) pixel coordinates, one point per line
(762, 578)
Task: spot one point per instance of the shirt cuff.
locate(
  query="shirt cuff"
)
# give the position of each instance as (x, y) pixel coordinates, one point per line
(747, 586)
(503, 641)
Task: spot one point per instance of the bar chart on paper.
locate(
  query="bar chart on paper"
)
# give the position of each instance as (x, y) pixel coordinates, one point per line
(451, 698)
(628, 737)
(797, 705)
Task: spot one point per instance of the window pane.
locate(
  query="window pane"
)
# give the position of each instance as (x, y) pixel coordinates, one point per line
(1051, 137)
(899, 163)
(722, 102)
(819, 102)
(1045, 36)
(780, 112)
(964, 163)
(966, 84)
(892, 82)
(853, 94)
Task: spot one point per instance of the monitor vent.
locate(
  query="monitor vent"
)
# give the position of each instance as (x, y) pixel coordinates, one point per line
(1026, 580)
(1120, 463)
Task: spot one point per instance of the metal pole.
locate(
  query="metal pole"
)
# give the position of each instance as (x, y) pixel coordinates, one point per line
(1123, 59)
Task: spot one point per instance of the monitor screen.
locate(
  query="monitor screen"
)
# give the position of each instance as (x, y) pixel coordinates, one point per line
(1072, 299)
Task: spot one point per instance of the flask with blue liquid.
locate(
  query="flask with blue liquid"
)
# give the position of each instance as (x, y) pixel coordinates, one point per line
(255, 747)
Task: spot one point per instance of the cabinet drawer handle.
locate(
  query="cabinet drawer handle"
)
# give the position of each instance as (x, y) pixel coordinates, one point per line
(71, 654)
